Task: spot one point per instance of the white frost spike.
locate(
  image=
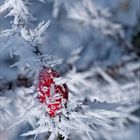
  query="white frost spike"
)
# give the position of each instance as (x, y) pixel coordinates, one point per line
(34, 36)
(4, 102)
(7, 32)
(52, 136)
(5, 6)
(40, 29)
(56, 6)
(61, 80)
(17, 9)
(42, 1)
(26, 34)
(5, 111)
(36, 131)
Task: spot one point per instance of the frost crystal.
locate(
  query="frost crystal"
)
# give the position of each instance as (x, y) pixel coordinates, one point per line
(94, 95)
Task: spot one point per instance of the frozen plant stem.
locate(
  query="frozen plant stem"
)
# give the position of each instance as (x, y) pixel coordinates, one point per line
(20, 24)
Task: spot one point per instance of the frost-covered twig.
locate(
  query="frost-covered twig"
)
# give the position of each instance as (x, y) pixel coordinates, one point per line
(88, 14)
(20, 26)
(98, 105)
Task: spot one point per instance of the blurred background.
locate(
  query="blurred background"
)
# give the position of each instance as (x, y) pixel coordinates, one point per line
(104, 33)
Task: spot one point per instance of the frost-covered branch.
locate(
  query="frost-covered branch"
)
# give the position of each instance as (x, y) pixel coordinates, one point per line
(95, 98)
(88, 14)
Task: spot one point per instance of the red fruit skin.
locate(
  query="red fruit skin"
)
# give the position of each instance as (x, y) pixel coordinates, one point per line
(46, 81)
